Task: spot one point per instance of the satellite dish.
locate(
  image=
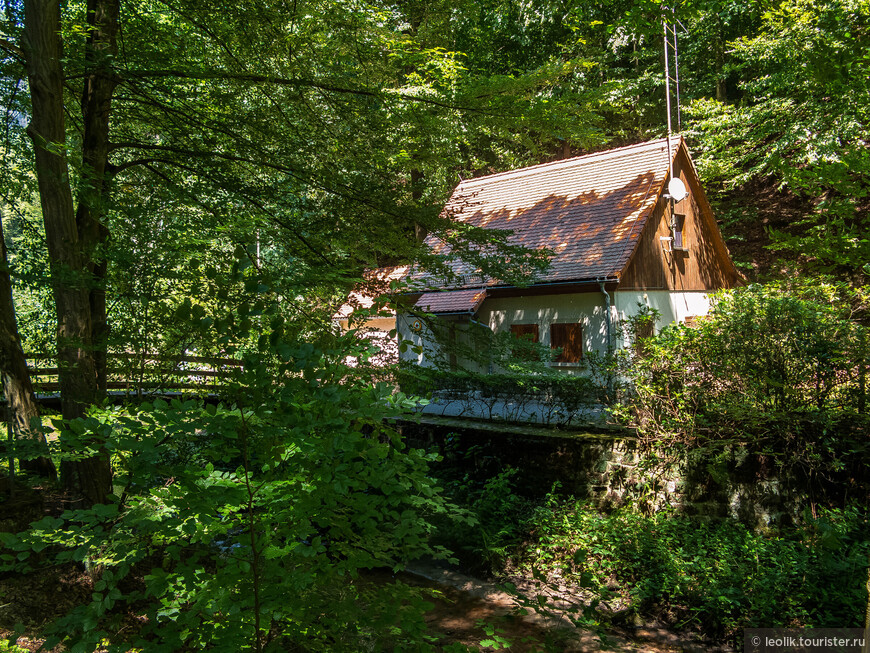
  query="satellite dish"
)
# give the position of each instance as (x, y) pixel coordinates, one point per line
(677, 189)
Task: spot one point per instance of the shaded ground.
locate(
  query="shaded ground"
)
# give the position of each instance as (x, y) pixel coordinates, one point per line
(747, 214)
(470, 602)
(470, 612)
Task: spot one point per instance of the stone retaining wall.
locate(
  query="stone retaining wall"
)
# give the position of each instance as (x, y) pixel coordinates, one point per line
(602, 464)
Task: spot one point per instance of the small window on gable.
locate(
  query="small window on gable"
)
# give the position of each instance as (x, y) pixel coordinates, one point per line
(568, 338)
(527, 332)
(679, 225)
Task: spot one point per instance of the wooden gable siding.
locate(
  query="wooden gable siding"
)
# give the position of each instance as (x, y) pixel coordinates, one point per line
(704, 265)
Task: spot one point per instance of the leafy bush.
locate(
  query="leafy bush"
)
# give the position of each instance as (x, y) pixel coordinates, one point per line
(719, 576)
(780, 369)
(298, 488)
(498, 515)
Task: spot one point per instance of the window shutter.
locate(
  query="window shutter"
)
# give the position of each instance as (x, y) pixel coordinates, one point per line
(525, 331)
(568, 338)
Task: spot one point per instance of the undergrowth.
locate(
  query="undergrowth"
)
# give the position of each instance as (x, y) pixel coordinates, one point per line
(718, 576)
(715, 577)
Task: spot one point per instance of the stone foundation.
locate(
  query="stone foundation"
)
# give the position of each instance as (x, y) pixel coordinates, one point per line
(603, 465)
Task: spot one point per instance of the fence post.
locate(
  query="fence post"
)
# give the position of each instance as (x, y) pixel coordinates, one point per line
(10, 434)
(862, 369)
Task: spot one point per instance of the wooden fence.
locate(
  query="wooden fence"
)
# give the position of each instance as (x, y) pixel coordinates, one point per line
(135, 375)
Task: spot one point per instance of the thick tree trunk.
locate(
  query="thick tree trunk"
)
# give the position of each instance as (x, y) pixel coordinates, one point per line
(78, 383)
(16, 379)
(100, 50)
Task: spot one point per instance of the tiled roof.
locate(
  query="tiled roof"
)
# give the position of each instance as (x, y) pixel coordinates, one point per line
(358, 299)
(453, 301)
(590, 210)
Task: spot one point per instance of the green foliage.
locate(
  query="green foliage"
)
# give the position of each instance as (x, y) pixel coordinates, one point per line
(263, 155)
(6, 647)
(546, 396)
(498, 514)
(249, 525)
(795, 127)
(28, 262)
(319, 163)
(780, 369)
(718, 576)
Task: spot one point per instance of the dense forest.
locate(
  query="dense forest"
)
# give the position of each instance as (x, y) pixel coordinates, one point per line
(184, 178)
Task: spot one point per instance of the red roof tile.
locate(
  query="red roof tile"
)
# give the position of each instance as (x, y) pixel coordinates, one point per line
(590, 210)
(361, 298)
(453, 301)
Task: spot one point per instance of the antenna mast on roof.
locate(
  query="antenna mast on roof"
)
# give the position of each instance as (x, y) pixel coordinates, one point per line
(670, 40)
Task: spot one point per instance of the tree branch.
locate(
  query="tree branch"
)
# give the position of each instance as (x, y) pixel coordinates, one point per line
(348, 193)
(12, 49)
(292, 82)
(114, 170)
(257, 204)
(202, 154)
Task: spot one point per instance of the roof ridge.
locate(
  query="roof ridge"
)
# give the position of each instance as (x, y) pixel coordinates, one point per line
(565, 163)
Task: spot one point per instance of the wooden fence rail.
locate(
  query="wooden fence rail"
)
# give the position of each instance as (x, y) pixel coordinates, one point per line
(136, 374)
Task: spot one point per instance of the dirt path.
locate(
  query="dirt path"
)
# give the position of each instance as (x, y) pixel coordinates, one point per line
(470, 604)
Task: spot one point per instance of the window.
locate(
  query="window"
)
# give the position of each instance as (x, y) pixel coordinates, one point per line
(679, 223)
(646, 328)
(525, 331)
(568, 338)
(528, 332)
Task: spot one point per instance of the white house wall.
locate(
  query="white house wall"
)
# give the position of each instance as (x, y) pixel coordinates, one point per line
(498, 314)
(583, 308)
(673, 306)
(414, 347)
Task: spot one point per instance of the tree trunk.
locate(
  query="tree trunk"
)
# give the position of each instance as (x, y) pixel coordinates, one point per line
(719, 62)
(99, 86)
(26, 423)
(69, 274)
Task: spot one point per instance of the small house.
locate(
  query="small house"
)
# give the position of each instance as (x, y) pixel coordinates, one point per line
(627, 228)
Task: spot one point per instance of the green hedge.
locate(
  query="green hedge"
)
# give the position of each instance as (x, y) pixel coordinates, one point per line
(562, 397)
